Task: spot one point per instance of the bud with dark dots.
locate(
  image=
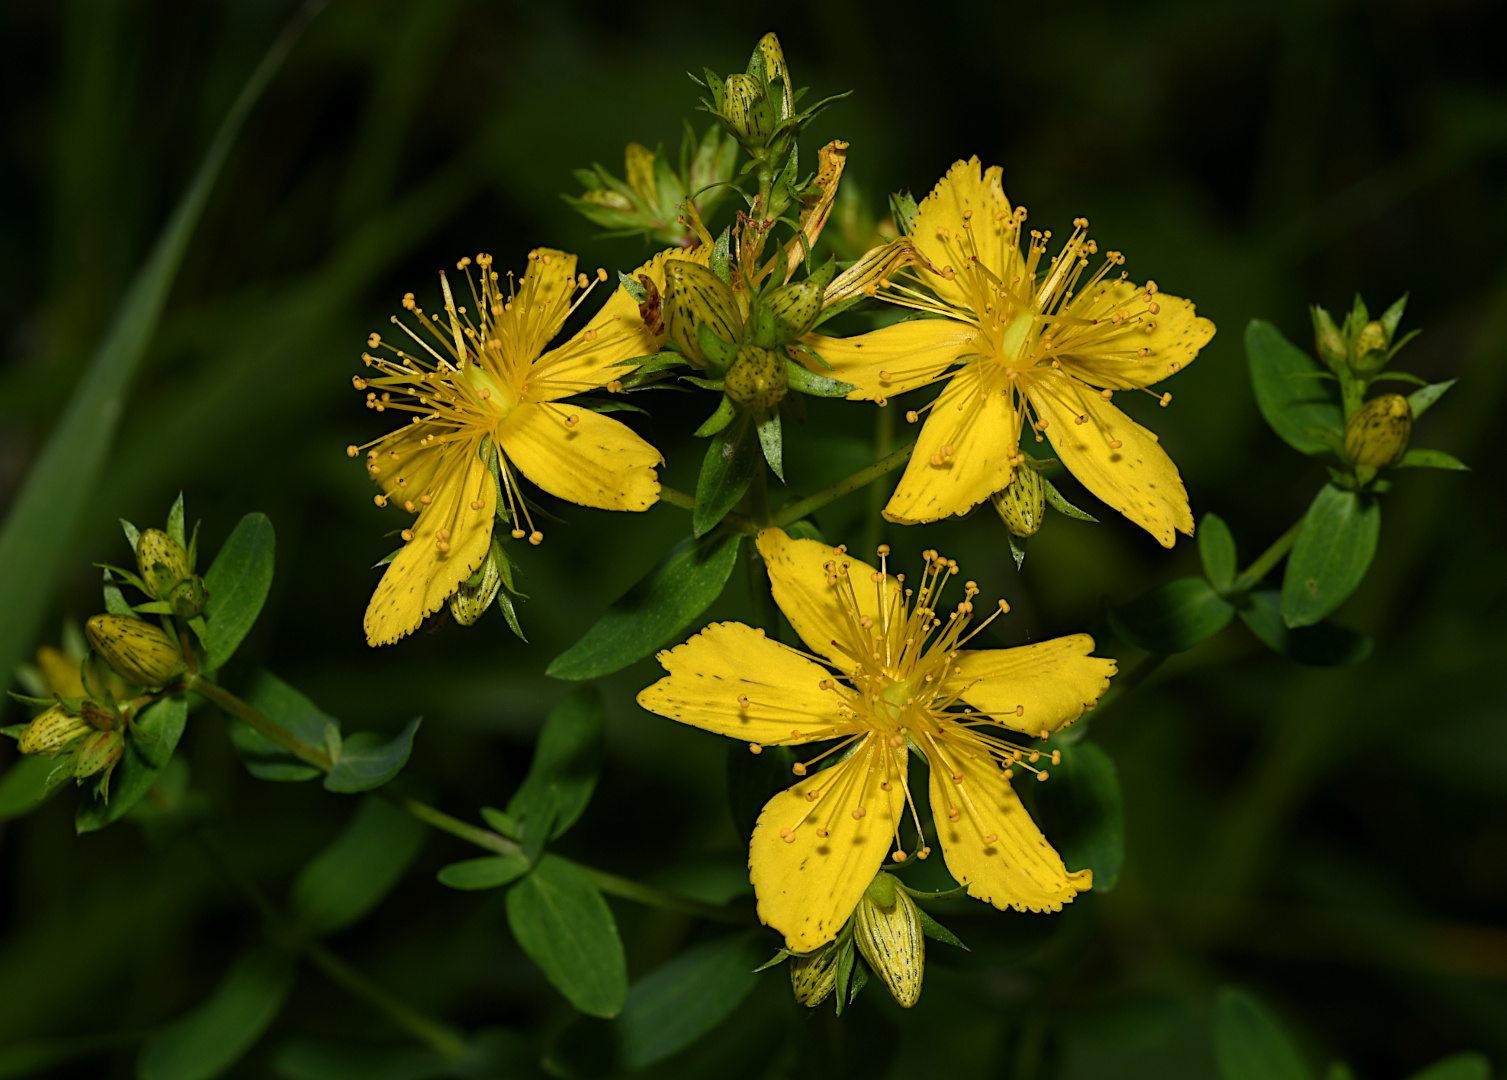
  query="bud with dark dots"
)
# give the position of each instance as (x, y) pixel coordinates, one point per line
(776, 68)
(137, 651)
(887, 927)
(162, 562)
(747, 109)
(477, 592)
(757, 379)
(793, 309)
(53, 732)
(1022, 503)
(813, 977)
(1377, 435)
(187, 597)
(695, 295)
(98, 752)
(1370, 348)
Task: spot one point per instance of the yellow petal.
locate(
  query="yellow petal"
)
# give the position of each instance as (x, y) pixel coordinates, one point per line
(712, 675)
(548, 283)
(799, 579)
(60, 672)
(994, 848)
(911, 354)
(1048, 682)
(582, 456)
(964, 216)
(422, 577)
(808, 885)
(591, 358)
(1137, 478)
(638, 162)
(962, 455)
(1172, 338)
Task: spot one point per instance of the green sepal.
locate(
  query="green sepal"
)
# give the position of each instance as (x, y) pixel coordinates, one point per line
(633, 288)
(176, 523)
(1431, 459)
(771, 443)
(705, 384)
(1420, 400)
(718, 420)
(115, 601)
(903, 210)
(937, 932)
(721, 259)
(133, 534)
(154, 607)
(499, 822)
(509, 611)
(802, 379)
(1017, 548)
(1062, 506)
(717, 351)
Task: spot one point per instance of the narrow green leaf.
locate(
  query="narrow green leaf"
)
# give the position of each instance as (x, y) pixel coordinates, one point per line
(1331, 554)
(727, 470)
(655, 611)
(1420, 400)
(1321, 645)
(633, 287)
(499, 822)
(718, 420)
(1061, 505)
(722, 256)
(115, 600)
(1466, 1066)
(937, 932)
(1017, 548)
(563, 925)
(676, 1004)
(38, 532)
(149, 747)
(567, 759)
(772, 445)
(210, 1039)
(176, 525)
(237, 583)
(367, 762)
(26, 785)
(488, 872)
(133, 534)
(1249, 1043)
(1173, 617)
(1216, 547)
(337, 887)
(320, 1059)
(1290, 399)
(1431, 459)
(805, 381)
(292, 712)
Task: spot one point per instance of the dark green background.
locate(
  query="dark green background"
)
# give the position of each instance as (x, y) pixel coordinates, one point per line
(1333, 839)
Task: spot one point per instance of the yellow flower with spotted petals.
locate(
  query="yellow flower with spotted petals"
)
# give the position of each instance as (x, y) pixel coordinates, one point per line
(479, 377)
(1041, 345)
(887, 674)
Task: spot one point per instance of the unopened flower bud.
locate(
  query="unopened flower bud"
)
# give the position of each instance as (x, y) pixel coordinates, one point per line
(1370, 348)
(1328, 340)
(187, 597)
(812, 978)
(775, 68)
(140, 653)
(793, 309)
(162, 562)
(695, 295)
(98, 752)
(757, 379)
(471, 601)
(1377, 435)
(887, 927)
(1022, 503)
(747, 110)
(53, 732)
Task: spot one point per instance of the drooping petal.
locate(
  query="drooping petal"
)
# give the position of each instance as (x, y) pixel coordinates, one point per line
(582, 456)
(422, 577)
(808, 594)
(893, 359)
(593, 357)
(989, 841)
(1113, 456)
(1171, 337)
(963, 453)
(1048, 683)
(810, 860)
(714, 674)
(965, 216)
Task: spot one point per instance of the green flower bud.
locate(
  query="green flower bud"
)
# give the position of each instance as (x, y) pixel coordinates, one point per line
(887, 927)
(162, 562)
(187, 597)
(140, 653)
(757, 379)
(694, 295)
(98, 752)
(775, 68)
(1377, 435)
(53, 732)
(813, 977)
(747, 110)
(476, 594)
(1328, 340)
(1370, 348)
(1022, 503)
(793, 309)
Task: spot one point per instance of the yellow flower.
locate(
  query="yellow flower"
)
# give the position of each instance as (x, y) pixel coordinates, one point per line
(479, 376)
(903, 681)
(1045, 347)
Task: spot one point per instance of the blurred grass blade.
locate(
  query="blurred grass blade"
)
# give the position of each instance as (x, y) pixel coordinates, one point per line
(346, 880)
(38, 532)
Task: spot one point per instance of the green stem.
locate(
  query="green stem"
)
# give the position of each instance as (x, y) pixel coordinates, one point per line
(1269, 558)
(687, 502)
(438, 819)
(862, 478)
(661, 898)
(305, 752)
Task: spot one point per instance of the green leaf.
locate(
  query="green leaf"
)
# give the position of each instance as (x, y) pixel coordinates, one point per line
(1061, 505)
(115, 600)
(1431, 459)
(1289, 397)
(1173, 617)
(563, 925)
(727, 470)
(319, 1059)
(937, 932)
(721, 259)
(211, 1038)
(567, 759)
(1420, 400)
(633, 287)
(45, 514)
(337, 887)
(806, 381)
(718, 420)
(367, 762)
(653, 612)
(1216, 547)
(1250, 1044)
(676, 1004)
(1083, 794)
(292, 712)
(176, 525)
(1321, 645)
(1330, 555)
(237, 583)
(149, 747)
(1017, 548)
(488, 872)
(1466, 1066)
(772, 445)
(27, 784)
(499, 822)
(133, 534)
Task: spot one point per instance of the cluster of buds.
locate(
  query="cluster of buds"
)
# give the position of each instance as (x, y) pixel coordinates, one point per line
(139, 652)
(88, 733)
(757, 106)
(650, 197)
(1360, 346)
(166, 574)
